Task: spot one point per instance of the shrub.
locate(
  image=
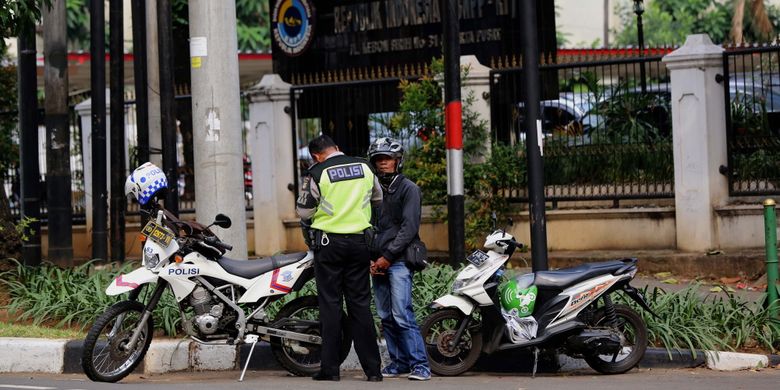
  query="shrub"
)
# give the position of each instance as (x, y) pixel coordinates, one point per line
(76, 296)
(487, 173)
(688, 321)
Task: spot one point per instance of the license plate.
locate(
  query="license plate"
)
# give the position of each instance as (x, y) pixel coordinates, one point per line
(477, 258)
(157, 233)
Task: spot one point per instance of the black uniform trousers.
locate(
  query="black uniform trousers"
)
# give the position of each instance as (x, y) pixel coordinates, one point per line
(341, 268)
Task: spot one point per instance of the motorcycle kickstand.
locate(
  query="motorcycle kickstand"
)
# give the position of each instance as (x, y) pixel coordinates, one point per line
(536, 360)
(252, 338)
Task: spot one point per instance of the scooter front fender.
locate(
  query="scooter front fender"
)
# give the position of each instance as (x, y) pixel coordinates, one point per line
(131, 281)
(449, 300)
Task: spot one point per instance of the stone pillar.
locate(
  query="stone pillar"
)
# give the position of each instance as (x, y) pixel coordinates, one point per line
(84, 111)
(699, 137)
(477, 84)
(273, 162)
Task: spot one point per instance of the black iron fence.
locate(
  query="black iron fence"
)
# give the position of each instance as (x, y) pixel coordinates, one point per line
(751, 87)
(352, 113)
(11, 177)
(606, 135)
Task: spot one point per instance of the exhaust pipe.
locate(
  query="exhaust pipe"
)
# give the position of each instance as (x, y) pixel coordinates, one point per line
(594, 342)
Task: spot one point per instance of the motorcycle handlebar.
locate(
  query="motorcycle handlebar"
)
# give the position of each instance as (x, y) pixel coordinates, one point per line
(216, 242)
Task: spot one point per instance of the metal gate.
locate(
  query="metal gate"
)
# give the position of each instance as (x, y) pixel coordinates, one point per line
(344, 111)
(606, 135)
(751, 87)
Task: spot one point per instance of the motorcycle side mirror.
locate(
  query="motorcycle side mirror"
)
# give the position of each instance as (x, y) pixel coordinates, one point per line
(509, 222)
(222, 221)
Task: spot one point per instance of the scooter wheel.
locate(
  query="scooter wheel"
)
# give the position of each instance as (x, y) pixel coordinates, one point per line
(633, 346)
(444, 357)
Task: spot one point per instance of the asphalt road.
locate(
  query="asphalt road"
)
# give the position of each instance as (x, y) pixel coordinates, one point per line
(637, 379)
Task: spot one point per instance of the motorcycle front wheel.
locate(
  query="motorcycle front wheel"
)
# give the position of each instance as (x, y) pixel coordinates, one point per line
(106, 357)
(299, 357)
(633, 336)
(438, 332)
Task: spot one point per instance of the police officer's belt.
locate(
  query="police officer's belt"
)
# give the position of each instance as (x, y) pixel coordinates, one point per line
(345, 235)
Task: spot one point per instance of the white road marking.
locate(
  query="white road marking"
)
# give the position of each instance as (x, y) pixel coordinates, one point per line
(26, 387)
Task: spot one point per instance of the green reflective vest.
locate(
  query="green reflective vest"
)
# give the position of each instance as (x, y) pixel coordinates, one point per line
(346, 184)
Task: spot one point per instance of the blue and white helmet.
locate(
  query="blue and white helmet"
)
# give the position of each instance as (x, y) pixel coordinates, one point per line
(145, 182)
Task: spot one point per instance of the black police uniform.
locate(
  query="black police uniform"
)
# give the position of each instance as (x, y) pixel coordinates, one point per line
(341, 266)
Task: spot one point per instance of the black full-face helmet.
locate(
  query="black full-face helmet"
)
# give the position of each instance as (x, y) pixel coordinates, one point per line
(387, 147)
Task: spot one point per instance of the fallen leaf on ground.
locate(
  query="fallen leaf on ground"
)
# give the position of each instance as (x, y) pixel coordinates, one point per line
(714, 252)
(742, 285)
(716, 289)
(661, 275)
(670, 281)
(729, 289)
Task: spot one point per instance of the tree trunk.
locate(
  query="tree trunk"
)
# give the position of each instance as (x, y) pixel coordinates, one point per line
(58, 175)
(737, 20)
(760, 22)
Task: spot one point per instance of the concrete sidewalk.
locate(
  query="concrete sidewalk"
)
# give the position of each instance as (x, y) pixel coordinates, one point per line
(171, 355)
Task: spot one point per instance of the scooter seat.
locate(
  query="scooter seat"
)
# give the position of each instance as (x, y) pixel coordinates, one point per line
(569, 276)
(252, 268)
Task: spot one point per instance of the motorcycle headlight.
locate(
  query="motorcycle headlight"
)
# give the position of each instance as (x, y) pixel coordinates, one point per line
(151, 262)
(456, 285)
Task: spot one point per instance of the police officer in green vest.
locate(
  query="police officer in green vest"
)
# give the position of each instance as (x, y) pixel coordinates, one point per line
(337, 196)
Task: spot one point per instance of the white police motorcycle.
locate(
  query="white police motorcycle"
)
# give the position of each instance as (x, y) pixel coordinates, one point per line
(221, 301)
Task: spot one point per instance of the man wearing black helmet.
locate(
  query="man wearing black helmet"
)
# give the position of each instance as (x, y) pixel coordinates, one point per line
(397, 226)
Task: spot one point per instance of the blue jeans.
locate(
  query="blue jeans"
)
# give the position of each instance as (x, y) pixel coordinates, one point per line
(394, 306)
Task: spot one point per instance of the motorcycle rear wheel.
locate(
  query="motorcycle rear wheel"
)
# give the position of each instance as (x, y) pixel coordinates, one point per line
(104, 358)
(633, 346)
(438, 330)
(302, 358)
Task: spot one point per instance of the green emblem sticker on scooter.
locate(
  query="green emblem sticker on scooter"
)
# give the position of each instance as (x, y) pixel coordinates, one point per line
(517, 301)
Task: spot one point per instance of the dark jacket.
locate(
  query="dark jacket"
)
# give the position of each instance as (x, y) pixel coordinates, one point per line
(398, 222)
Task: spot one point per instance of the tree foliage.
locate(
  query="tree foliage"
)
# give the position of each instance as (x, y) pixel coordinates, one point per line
(15, 14)
(486, 172)
(77, 12)
(252, 23)
(9, 155)
(669, 22)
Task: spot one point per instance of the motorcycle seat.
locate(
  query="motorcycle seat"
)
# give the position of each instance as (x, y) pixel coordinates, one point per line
(252, 268)
(566, 277)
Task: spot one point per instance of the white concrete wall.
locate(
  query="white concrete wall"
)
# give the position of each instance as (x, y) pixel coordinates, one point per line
(582, 21)
(740, 226)
(599, 229)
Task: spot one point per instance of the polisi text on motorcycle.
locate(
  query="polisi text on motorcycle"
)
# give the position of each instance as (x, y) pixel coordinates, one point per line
(183, 271)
